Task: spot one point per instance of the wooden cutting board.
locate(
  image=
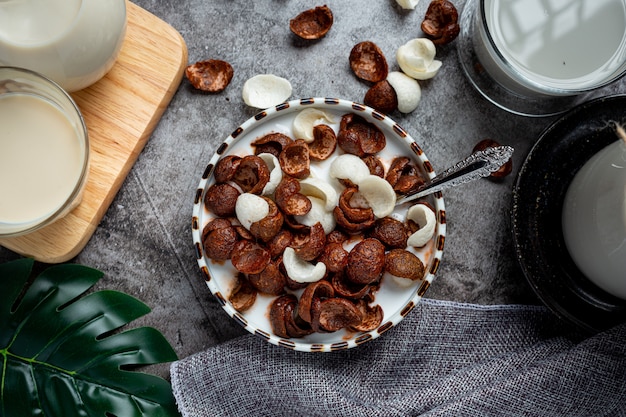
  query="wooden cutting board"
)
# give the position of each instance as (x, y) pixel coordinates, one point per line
(120, 111)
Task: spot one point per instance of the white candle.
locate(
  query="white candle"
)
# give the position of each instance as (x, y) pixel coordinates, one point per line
(594, 219)
(552, 47)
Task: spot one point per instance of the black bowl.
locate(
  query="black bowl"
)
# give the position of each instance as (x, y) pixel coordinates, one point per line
(538, 195)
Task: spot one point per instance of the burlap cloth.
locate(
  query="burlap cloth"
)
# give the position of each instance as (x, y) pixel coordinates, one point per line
(444, 359)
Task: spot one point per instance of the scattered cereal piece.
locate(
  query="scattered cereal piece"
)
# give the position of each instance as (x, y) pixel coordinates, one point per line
(300, 270)
(276, 173)
(366, 262)
(282, 318)
(353, 213)
(266, 90)
(359, 137)
(305, 120)
(404, 264)
(505, 169)
(315, 187)
(408, 4)
(416, 58)
(368, 62)
(270, 225)
(337, 313)
(324, 143)
(425, 218)
(250, 257)
(318, 214)
(350, 167)
(212, 75)
(272, 143)
(295, 159)
(251, 208)
(313, 23)
(408, 91)
(441, 22)
(379, 195)
(252, 174)
(382, 97)
(243, 295)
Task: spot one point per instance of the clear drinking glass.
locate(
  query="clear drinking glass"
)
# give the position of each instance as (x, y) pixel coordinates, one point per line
(44, 152)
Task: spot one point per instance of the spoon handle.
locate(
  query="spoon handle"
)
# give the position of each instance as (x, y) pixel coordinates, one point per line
(478, 165)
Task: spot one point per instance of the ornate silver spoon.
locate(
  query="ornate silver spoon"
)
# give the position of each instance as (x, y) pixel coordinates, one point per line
(478, 165)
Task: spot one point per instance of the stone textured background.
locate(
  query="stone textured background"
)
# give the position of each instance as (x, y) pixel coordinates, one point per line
(144, 243)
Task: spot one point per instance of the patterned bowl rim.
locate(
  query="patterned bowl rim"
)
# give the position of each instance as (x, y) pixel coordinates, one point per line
(369, 114)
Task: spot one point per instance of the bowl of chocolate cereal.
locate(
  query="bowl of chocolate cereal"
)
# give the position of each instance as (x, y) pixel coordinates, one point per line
(297, 231)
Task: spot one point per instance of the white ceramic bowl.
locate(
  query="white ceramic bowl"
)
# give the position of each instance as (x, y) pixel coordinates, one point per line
(396, 301)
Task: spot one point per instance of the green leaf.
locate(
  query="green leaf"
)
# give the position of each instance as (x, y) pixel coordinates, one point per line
(61, 353)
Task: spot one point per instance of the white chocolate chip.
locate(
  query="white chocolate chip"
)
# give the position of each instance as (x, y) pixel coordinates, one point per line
(349, 167)
(315, 187)
(250, 208)
(408, 4)
(416, 58)
(300, 270)
(265, 90)
(426, 220)
(318, 213)
(307, 119)
(379, 194)
(407, 90)
(276, 173)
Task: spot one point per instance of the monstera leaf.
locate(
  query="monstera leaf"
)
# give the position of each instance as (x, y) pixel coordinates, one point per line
(62, 355)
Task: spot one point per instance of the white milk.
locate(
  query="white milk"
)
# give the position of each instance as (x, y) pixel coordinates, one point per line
(555, 44)
(594, 219)
(72, 42)
(41, 159)
(31, 22)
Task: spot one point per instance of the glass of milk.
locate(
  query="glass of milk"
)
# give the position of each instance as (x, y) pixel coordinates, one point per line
(541, 57)
(72, 42)
(44, 152)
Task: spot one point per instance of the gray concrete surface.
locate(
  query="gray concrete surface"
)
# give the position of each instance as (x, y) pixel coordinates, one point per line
(144, 244)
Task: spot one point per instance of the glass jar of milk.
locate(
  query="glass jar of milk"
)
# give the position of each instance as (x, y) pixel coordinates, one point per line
(540, 57)
(72, 42)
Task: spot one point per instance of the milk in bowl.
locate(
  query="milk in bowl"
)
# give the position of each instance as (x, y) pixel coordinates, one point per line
(594, 218)
(72, 42)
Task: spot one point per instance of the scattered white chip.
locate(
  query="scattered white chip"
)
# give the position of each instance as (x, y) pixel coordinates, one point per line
(408, 4)
(350, 167)
(426, 220)
(379, 195)
(307, 119)
(416, 58)
(407, 90)
(300, 270)
(266, 90)
(276, 173)
(318, 213)
(315, 187)
(250, 208)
